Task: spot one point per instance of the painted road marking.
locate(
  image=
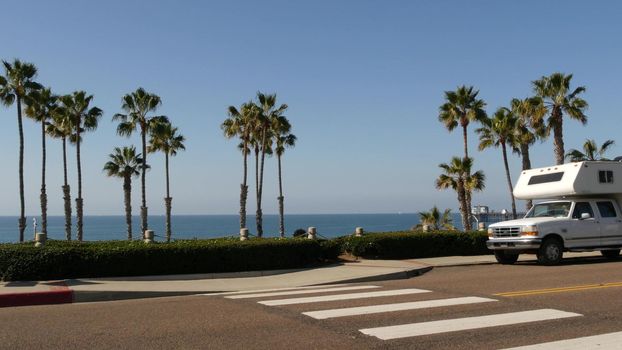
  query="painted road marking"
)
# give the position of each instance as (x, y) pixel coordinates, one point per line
(603, 341)
(343, 297)
(374, 309)
(460, 324)
(560, 289)
(273, 289)
(296, 292)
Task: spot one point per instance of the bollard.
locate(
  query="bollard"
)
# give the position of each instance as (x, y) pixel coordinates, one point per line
(425, 228)
(358, 232)
(243, 234)
(40, 239)
(149, 234)
(481, 226)
(311, 232)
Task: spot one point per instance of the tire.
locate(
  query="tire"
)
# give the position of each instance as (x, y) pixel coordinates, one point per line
(505, 257)
(551, 252)
(611, 254)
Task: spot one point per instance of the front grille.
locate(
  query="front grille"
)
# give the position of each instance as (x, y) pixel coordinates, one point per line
(506, 231)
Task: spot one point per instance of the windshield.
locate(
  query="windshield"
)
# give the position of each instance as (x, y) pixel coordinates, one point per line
(555, 209)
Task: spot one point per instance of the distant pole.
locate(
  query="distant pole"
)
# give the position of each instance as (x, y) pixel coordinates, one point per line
(34, 228)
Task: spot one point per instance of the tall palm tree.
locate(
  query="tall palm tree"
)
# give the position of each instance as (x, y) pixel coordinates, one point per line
(241, 123)
(61, 127)
(138, 106)
(436, 220)
(124, 163)
(269, 113)
(499, 131)
(83, 118)
(282, 141)
(14, 87)
(166, 139)
(529, 127)
(457, 176)
(41, 104)
(591, 151)
(559, 100)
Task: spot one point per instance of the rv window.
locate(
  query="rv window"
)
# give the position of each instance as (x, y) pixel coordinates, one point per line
(605, 176)
(606, 209)
(540, 179)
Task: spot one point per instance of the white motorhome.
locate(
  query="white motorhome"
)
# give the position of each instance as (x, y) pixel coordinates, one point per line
(582, 213)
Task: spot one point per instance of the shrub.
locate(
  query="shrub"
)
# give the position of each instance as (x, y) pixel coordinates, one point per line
(60, 259)
(409, 245)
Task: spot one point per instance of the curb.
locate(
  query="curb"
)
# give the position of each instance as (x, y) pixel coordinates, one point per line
(388, 276)
(55, 296)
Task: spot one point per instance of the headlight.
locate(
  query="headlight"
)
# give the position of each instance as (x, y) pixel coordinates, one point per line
(531, 230)
(490, 234)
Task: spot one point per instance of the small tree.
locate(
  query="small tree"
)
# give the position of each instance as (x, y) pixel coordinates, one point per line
(435, 219)
(591, 151)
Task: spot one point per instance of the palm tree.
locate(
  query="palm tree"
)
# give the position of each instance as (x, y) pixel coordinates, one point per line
(269, 112)
(241, 124)
(282, 141)
(124, 163)
(14, 87)
(591, 151)
(61, 127)
(499, 131)
(435, 219)
(83, 118)
(529, 127)
(555, 92)
(137, 106)
(166, 139)
(41, 104)
(457, 176)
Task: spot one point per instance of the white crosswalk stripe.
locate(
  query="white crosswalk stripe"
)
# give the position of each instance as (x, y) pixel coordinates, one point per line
(374, 309)
(608, 341)
(460, 324)
(297, 292)
(350, 296)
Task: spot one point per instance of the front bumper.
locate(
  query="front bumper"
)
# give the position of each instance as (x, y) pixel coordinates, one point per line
(523, 243)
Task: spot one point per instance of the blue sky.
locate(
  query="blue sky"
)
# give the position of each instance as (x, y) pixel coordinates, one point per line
(363, 80)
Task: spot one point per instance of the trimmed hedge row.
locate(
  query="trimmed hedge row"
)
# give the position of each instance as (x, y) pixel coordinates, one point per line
(410, 245)
(61, 260)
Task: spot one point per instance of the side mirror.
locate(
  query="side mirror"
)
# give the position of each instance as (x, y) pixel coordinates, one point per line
(585, 216)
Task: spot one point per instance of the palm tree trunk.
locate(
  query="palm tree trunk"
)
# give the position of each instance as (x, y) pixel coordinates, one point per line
(79, 201)
(66, 193)
(127, 194)
(257, 220)
(143, 208)
(467, 191)
(167, 201)
(44, 196)
(464, 136)
(263, 158)
(21, 222)
(464, 213)
(524, 151)
(507, 175)
(281, 198)
(244, 190)
(558, 136)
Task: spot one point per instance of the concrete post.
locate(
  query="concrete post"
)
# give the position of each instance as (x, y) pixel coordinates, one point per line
(40, 239)
(311, 233)
(425, 228)
(481, 226)
(358, 232)
(149, 234)
(243, 234)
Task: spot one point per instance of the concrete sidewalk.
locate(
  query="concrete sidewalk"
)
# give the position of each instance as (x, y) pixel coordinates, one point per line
(102, 289)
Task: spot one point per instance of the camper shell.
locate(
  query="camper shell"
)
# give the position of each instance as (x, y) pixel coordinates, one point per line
(582, 213)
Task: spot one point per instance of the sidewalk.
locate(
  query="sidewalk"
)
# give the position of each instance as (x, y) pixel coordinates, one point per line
(105, 289)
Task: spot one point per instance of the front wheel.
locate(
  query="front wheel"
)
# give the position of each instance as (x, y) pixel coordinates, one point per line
(551, 252)
(611, 254)
(505, 258)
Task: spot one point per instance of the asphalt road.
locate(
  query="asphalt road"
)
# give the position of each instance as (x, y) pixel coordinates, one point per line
(586, 293)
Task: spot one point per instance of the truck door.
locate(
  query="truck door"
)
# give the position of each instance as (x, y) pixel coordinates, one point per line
(610, 223)
(583, 233)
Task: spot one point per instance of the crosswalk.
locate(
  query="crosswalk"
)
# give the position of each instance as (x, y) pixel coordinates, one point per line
(368, 300)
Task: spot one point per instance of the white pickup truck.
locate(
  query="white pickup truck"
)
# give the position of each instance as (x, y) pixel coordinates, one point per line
(584, 216)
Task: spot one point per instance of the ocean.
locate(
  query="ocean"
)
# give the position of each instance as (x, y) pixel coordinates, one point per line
(211, 226)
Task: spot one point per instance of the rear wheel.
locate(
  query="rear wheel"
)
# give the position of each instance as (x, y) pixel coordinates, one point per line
(611, 254)
(551, 251)
(504, 257)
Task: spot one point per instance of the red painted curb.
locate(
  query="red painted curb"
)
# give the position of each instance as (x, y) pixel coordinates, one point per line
(60, 295)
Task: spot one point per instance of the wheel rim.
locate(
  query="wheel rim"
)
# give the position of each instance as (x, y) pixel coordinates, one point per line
(552, 252)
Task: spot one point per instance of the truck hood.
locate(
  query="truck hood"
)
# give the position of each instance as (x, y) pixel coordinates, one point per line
(526, 221)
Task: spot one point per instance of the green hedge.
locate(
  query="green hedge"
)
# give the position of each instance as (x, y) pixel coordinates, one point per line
(410, 245)
(61, 260)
